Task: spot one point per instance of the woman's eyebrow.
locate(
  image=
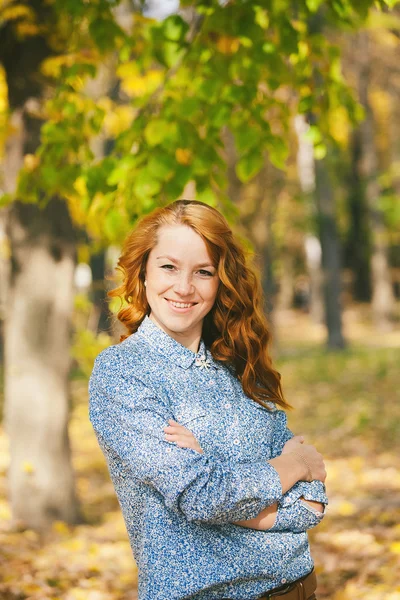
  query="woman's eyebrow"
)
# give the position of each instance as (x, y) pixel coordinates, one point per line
(175, 260)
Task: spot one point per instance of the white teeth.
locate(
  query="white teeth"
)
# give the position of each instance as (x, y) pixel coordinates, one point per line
(180, 304)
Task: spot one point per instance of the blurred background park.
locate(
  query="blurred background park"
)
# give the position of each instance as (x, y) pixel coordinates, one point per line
(286, 116)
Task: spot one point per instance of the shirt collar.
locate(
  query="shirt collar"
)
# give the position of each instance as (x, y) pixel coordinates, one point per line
(163, 343)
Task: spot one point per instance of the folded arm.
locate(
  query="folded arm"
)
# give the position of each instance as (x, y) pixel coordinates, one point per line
(292, 512)
(315, 490)
(129, 420)
(300, 508)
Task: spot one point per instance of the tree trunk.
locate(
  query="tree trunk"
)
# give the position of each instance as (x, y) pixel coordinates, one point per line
(285, 296)
(382, 289)
(98, 294)
(330, 255)
(4, 277)
(358, 247)
(313, 258)
(37, 361)
(306, 172)
(325, 202)
(39, 308)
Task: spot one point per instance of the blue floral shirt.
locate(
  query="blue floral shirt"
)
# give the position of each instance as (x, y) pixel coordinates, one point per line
(179, 504)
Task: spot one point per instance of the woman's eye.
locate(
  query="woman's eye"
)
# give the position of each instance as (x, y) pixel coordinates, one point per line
(206, 273)
(168, 267)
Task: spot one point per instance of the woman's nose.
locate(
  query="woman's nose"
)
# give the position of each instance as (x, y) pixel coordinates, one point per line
(183, 285)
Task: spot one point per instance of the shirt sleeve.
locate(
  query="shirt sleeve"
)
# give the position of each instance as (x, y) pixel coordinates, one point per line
(296, 517)
(129, 420)
(310, 490)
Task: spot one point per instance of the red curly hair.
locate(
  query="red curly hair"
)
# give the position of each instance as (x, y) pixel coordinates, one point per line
(235, 330)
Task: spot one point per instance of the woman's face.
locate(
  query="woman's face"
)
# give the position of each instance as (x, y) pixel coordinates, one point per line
(182, 283)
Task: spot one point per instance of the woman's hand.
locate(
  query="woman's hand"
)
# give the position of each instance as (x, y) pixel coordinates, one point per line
(311, 455)
(293, 444)
(174, 432)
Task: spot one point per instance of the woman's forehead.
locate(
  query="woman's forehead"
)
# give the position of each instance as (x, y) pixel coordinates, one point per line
(181, 243)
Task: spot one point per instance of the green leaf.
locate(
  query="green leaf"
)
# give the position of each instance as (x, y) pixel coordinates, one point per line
(289, 37)
(156, 131)
(183, 174)
(174, 187)
(249, 165)
(235, 94)
(172, 53)
(124, 166)
(207, 195)
(261, 17)
(174, 28)
(219, 115)
(320, 151)
(313, 134)
(5, 199)
(105, 32)
(306, 104)
(246, 138)
(161, 166)
(115, 225)
(146, 185)
(278, 152)
(189, 106)
(313, 5)
(50, 175)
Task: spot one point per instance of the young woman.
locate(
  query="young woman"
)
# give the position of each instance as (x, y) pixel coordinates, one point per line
(216, 492)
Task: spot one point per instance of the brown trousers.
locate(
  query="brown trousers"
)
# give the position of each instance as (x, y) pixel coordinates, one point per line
(301, 589)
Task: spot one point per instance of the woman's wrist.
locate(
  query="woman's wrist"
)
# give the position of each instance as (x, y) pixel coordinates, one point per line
(307, 475)
(290, 469)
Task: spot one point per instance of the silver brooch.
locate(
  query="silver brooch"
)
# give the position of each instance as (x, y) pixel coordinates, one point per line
(203, 362)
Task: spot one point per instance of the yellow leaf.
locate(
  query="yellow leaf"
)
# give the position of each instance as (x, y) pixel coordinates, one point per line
(5, 512)
(346, 508)
(61, 527)
(135, 83)
(31, 162)
(25, 29)
(10, 13)
(183, 156)
(74, 544)
(28, 467)
(80, 186)
(228, 45)
(5, 249)
(395, 547)
(118, 120)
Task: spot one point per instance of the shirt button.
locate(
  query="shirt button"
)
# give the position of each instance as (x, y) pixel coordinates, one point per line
(228, 405)
(236, 442)
(168, 450)
(211, 382)
(283, 580)
(179, 417)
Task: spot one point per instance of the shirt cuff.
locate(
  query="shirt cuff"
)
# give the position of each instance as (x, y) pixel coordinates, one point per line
(296, 518)
(309, 490)
(317, 512)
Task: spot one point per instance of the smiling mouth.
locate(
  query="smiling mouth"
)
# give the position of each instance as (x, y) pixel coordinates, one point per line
(181, 304)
